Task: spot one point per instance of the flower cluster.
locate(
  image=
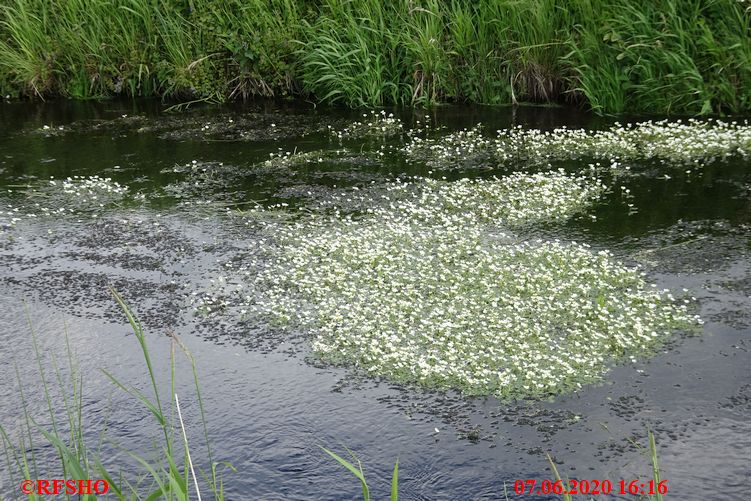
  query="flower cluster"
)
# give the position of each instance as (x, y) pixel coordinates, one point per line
(432, 286)
(91, 187)
(513, 200)
(373, 125)
(9, 216)
(679, 142)
(288, 159)
(72, 195)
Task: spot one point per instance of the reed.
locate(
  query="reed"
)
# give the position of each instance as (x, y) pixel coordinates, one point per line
(167, 473)
(677, 56)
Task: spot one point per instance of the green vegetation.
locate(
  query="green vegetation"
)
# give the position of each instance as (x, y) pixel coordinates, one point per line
(656, 482)
(559, 485)
(435, 283)
(358, 472)
(676, 56)
(169, 474)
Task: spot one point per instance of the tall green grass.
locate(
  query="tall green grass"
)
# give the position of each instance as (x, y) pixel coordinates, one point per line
(352, 53)
(683, 56)
(676, 56)
(167, 473)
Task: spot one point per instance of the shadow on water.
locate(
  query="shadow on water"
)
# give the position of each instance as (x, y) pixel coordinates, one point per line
(270, 404)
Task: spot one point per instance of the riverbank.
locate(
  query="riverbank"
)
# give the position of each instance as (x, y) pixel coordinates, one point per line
(610, 56)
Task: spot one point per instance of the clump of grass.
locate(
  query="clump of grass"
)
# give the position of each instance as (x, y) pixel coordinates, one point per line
(352, 53)
(168, 476)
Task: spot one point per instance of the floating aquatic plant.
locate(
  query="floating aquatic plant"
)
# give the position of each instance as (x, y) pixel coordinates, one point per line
(60, 197)
(678, 142)
(291, 159)
(294, 158)
(433, 285)
(90, 188)
(375, 124)
(203, 181)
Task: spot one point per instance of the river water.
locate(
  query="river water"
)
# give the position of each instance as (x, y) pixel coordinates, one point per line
(269, 403)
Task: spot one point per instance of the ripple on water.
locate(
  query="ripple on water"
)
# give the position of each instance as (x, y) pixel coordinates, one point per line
(272, 405)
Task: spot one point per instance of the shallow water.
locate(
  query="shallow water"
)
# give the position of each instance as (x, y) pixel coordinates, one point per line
(270, 404)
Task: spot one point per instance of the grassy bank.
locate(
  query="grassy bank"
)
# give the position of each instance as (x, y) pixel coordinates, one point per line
(676, 56)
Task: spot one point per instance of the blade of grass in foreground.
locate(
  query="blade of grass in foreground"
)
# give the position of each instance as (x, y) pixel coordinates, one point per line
(138, 331)
(566, 497)
(655, 465)
(356, 471)
(395, 482)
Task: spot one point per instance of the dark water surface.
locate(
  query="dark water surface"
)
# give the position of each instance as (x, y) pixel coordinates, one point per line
(269, 404)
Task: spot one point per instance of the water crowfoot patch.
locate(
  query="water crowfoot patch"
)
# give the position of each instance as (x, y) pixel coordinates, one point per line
(375, 124)
(289, 159)
(72, 196)
(457, 150)
(513, 200)
(679, 142)
(432, 286)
